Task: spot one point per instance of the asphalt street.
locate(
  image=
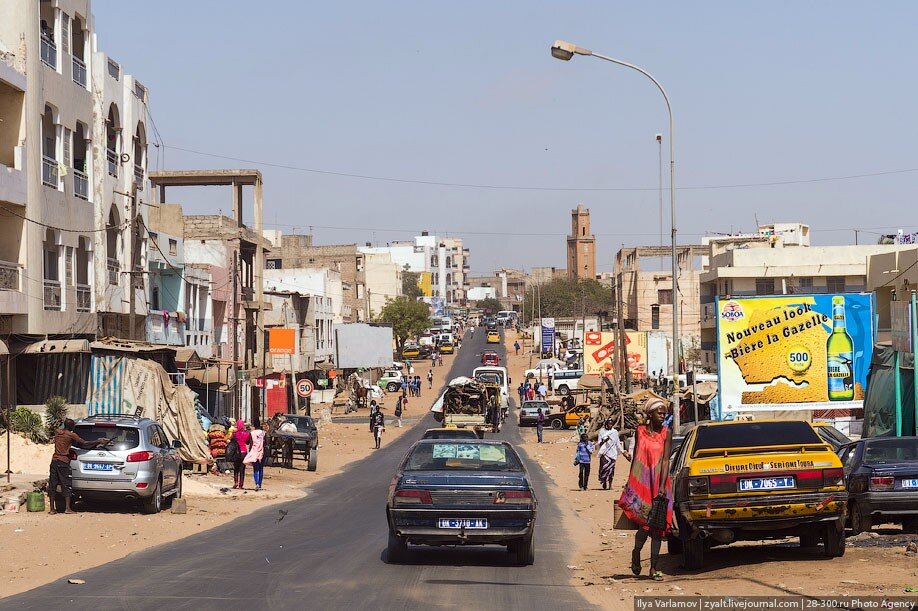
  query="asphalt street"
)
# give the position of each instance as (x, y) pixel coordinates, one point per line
(328, 552)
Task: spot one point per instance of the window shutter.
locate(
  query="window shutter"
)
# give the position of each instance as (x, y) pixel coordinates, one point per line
(68, 140)
(65, 32)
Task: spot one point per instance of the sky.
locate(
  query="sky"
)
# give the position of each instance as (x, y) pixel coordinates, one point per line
(468, 93)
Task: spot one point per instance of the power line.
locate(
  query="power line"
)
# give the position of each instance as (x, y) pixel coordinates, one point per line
(437, 183)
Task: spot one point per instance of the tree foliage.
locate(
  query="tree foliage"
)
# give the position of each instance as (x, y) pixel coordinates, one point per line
(489, 305)
(410, 288)
(55, 413)
(407, 317)
(568, 298)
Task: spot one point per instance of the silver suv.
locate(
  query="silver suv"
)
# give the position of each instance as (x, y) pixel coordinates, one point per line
(139, 463)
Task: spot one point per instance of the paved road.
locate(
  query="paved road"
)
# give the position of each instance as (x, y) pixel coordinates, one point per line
(327, 553)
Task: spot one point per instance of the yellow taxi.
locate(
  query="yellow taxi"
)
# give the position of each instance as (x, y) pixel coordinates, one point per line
(411, 352)
(493, 337)
(569, 418)
(447, 348)
(756, 480)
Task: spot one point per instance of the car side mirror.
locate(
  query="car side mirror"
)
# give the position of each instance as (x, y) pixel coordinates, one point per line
(176, 444)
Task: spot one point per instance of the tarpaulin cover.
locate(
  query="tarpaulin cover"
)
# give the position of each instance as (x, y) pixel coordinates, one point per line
(119, 384)
(880, 401)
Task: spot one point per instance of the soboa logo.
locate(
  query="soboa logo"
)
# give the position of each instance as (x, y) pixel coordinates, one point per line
(732, 311)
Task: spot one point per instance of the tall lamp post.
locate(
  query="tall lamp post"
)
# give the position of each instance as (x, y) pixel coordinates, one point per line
(565, 51)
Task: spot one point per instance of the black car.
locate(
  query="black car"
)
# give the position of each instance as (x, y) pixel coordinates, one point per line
(461, 492)
(882, 479)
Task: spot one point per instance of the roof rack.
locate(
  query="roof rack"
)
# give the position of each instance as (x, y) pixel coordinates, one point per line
(113, 416)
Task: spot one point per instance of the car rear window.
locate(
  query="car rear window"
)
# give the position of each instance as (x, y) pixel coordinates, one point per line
(882, 451)
(462, 456)
(752, 434)
(303, 423)
(123, 437)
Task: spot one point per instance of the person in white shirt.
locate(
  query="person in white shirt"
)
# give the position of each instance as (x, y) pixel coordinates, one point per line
(609, 445)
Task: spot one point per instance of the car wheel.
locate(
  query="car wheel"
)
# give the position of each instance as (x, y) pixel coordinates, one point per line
(522, 551)
(396, 549)
(557, 424)
(392, 387)
(563, 390)
(154, 503)
(833, 540)
(859, 521)
(313, 459)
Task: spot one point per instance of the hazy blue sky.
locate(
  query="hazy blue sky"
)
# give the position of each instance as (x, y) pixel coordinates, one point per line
(467, 92)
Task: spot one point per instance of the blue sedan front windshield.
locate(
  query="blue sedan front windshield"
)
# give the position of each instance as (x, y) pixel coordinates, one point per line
(452, 456)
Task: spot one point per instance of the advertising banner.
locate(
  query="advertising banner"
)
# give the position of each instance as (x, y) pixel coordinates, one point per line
(425, 284)
(599, 353)
(901, 323)
(548, 334)
(281, 341)
(658, 353)
(793, 352)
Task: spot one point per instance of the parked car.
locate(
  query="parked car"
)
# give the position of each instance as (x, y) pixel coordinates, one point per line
(461, 492)
(569, 418)
(564, 381)
(882, 478)
(391, 380)
(490, 357)
(447, 348)
(450, 433)
(411, 351)
(529, 412)
(749, 481)
(493, 337)
(544, 368)
(139, 462)
(831, 435)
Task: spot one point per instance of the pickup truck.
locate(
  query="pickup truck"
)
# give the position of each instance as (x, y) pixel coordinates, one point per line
(472, 404)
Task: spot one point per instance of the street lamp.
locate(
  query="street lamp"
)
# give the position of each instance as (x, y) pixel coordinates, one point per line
(566, 51)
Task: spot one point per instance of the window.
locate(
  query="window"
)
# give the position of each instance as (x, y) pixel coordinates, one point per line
(154, 298)
(654, 316)
(273, 264)
(665, 296)
(805, 285)
(835, 284)
(764, 286)
(173, 247)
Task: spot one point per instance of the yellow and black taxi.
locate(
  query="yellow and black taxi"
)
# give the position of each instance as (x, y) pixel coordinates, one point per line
(493, 337)
(570, 417)
(447, 348)
(411, 351)
(756, 480)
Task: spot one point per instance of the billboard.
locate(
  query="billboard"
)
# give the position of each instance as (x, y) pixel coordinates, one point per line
(360, 345)
(425, 284)
(793, 352)
(599, 353)
(281, 341)
(548, 335)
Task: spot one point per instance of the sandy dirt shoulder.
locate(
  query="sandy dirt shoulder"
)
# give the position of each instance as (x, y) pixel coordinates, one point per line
(874, 564)
(37, 548)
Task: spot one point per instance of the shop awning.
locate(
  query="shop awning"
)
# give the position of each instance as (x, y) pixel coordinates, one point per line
(324, 366)
(132, 347)
(58, 346)
(214, 374)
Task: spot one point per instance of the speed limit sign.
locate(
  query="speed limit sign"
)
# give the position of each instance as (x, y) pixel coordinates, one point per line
(304, 388)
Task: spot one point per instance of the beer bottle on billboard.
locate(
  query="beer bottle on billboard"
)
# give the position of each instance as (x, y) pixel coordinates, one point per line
(840, 355)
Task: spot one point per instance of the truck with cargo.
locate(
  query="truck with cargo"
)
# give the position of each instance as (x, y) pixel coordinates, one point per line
(469, 404)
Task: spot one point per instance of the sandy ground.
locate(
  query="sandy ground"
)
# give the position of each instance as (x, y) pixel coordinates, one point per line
(873, 564)
(37, 548)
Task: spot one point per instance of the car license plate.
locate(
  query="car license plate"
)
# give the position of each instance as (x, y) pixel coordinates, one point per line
(97, 466)
(471, 523)
(910, 483)
(766, 483)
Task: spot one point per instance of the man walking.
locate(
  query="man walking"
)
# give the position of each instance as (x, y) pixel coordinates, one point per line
(540, 424)
(379, 425)
(399, 406)
(521, 391)
(430, 378)
(516, 346)
(60, 463)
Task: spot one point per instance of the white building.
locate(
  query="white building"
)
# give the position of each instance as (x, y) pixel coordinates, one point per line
(382, 281)
(326, 295)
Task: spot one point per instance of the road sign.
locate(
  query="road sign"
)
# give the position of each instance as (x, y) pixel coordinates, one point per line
(304, 388)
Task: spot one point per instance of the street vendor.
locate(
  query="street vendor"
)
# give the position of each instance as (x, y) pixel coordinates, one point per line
(60, 463)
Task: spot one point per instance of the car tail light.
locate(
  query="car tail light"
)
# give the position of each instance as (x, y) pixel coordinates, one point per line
(882, 482)
(139, 457)
(513, 497)
(833, 477)
(141, 485)
(698, 485)
(412, 497)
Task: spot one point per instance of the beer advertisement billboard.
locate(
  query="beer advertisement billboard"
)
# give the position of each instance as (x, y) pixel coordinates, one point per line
(599, 353)
(789, 352)
(425, 284)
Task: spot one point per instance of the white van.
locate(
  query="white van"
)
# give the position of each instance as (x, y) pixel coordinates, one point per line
(502, 378)
(563, 382)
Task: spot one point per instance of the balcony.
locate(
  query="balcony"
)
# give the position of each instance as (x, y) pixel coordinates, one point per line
(50, 176)
(9, 276)
(114, 271)
(83, 298)
(112, 158)
(138, 174)
(137, 277)
(53, 295)
(114, 69)
(79, 72)
(48, 53)
(80, 185)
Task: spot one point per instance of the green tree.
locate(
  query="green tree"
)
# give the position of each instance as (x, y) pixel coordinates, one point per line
(55, 413)
(489, 305)
(408, 318)
(410, 286)
(568, 298)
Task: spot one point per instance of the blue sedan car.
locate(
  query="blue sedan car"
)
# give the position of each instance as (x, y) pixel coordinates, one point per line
(462, 492)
